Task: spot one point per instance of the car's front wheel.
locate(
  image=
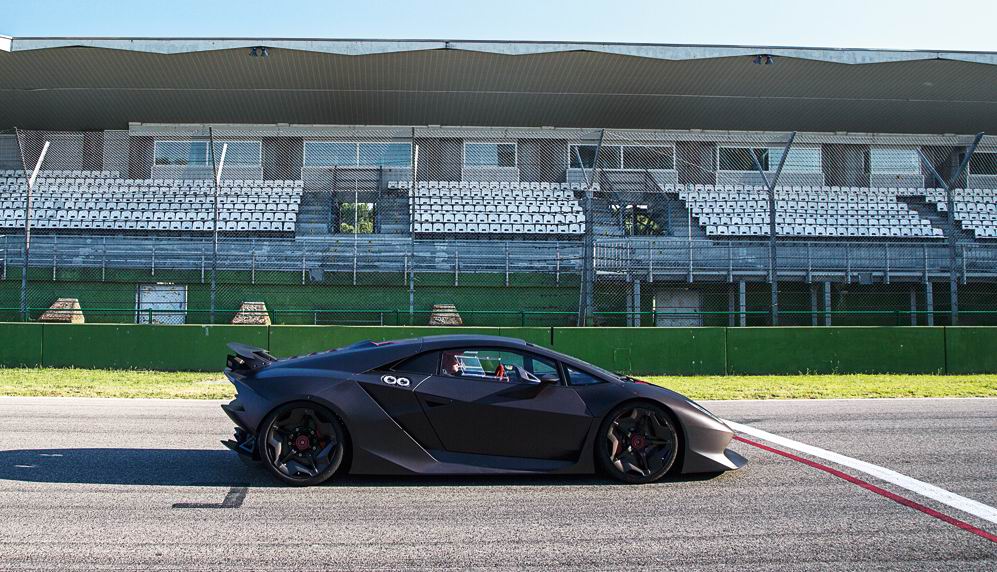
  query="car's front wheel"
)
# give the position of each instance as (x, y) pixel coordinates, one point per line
(638, 443)
(302, 443)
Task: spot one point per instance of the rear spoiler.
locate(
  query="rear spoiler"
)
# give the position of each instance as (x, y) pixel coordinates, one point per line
(247, 359)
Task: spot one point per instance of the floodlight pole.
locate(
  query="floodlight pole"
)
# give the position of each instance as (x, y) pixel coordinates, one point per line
(950, 203)
(773, 258)
(214, 227)
(27, 233)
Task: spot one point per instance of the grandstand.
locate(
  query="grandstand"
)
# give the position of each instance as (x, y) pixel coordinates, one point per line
(527, 183)
(94, 201)
(494, 208)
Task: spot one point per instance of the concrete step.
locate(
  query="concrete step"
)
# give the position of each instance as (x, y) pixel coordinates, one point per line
(311, 228)
(938, 219)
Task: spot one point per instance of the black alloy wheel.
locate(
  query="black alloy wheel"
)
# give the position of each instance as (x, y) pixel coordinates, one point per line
(302, 443)
(638, 443)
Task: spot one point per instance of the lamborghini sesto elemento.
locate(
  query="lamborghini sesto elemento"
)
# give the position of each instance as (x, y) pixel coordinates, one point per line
(462, 404)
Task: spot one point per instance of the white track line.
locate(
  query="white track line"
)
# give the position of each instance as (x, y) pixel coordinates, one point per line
(922, 488)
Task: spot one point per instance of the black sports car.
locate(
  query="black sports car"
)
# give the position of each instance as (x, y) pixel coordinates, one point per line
(464, 404)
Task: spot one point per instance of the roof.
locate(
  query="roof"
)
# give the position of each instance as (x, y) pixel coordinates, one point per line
(105, 83)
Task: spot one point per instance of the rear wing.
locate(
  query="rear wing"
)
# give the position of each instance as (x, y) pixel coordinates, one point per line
(247, 359)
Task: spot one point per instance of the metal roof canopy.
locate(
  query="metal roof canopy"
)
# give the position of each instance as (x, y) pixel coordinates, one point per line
(107, 83)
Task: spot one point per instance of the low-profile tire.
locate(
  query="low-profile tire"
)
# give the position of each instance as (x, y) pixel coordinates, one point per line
(302, 443)
(638, 442)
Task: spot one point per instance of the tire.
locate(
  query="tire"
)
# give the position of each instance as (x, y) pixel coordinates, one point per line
(638, 442)
(302, 444)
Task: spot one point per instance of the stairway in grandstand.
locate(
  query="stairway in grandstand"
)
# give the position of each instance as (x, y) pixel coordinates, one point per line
(314, 214)
(680, 224)
(605, 223)
(938, 219)
(809, 212)
(975, 211)
(616, 189)
(393, 212)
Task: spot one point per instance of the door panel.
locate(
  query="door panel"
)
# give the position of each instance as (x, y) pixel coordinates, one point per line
(505, 419)
(400, 403)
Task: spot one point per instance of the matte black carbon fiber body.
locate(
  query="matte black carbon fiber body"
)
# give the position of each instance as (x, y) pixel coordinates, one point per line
(435, 424)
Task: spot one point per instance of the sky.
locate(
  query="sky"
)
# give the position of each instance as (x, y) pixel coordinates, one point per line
(898, 24)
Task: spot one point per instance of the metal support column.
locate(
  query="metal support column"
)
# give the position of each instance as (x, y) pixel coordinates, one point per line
(913, 306)
(217, 168)
(731, 305)
(827, 303)
(813, 305)
(742, 303)
(588, 262)
(773, 258)
(950, 203)
(929, 302)
(636, 303)
(630, 306)
(27, 227)
(411, 209)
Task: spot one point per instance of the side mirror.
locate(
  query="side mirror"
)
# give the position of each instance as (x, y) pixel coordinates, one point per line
(550, 379)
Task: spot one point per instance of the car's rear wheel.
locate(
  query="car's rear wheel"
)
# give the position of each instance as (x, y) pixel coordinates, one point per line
(302, 443)
(638, 443)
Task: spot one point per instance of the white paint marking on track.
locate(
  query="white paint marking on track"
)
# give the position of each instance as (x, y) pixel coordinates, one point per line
(970, 506)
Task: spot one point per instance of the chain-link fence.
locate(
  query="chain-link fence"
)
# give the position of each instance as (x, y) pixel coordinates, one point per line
(510, 227)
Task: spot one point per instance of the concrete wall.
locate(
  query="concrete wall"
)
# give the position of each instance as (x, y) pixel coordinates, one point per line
(844, 165)
(140, 157)
(440, 159)
(786, 179)
(673, 351)
(192, 172)
(282, 157)
(696, 162)
(542, 160)
(982, 181)
(115, 154)
(10, 153)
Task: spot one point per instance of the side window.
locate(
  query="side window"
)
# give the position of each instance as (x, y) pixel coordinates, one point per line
(495, 365)
(423, 363)
(577, 377)
(539, 366)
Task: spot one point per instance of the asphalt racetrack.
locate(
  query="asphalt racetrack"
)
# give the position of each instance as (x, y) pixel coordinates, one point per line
(145, 484)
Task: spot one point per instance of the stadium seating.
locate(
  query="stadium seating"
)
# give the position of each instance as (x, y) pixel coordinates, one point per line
(99, 200)
(471, 207)
(75, 200)
(840, 212)
(974, 209)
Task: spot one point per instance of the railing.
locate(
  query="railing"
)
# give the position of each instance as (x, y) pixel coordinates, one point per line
(407, 317)
(307, 257)
(634, 257)
(807, 260)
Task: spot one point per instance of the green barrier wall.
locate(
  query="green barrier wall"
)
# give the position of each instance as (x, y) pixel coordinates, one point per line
(788, 350)
(678, 351)
(20, 345)
(144, 347)
(971, 349)
(675, 351)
